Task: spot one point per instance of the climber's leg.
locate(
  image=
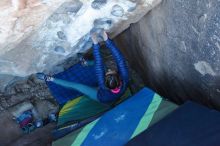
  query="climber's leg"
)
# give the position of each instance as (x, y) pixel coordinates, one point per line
(84, 89)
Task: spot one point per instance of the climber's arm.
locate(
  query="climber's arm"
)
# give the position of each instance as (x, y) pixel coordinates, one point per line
(119, 58)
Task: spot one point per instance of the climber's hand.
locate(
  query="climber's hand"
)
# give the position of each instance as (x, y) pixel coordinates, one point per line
(94, 38)
(104, 36)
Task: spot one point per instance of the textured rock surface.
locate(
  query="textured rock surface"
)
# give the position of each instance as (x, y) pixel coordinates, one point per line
(18, 91)
(13, 136)
(18, 18)
(29, 89)
(117, 11)
(176, 49)
(36, 35)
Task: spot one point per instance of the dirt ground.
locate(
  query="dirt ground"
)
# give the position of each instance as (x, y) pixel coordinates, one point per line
(35, 92)
(11, 134)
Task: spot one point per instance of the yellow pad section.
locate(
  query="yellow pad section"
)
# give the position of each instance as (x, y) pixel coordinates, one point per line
(69, 105)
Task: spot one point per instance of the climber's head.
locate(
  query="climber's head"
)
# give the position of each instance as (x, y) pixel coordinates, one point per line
(112, 80)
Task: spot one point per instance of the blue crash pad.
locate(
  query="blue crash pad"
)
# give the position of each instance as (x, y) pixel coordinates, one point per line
(190, 125)
(117, 126)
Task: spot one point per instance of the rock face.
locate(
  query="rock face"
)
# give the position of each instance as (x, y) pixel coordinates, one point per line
(45, 35)
(19, 18)
(176, 49)
(36, 35)
(30, 89)
(117, 11)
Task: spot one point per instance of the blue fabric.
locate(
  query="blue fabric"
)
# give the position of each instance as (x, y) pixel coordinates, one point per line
(77, 73)
(99, 66)
(189, 125)
(117, 126)
(86, 90)
(104, 94)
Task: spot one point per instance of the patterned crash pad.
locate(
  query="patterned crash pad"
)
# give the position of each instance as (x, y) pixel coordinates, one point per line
(122, 123)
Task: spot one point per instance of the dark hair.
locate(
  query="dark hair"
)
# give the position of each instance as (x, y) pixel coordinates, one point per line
(112, 81)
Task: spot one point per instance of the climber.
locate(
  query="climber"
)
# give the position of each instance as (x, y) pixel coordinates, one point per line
(111, 83)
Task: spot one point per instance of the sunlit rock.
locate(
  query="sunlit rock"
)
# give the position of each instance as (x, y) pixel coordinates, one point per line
(36, 35)
(117, 11)
(97, 4)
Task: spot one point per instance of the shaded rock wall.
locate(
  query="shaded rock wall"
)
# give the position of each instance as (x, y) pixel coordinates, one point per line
(176, 50)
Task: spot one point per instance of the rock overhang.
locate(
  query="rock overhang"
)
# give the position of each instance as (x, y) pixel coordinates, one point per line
(36, 35)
